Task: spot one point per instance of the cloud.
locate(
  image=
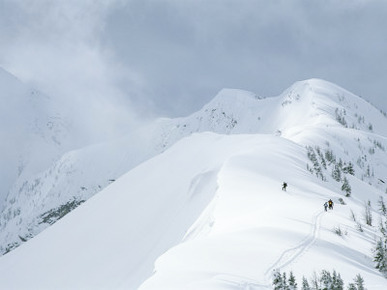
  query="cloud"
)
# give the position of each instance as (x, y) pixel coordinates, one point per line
(55, 47)
(170, 57)
(188, 50)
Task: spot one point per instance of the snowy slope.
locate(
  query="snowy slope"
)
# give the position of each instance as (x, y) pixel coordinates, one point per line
(33, 135)
(28, 124)
(32, 132)
(37, 200)
(231, 179)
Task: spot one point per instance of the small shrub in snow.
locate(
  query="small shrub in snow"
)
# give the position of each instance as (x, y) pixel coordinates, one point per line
(53, 215)
(353, 216)
(338, 231)
(340, 117)
(379, 145)
(359, 227)
(358, 224)
(368, 214)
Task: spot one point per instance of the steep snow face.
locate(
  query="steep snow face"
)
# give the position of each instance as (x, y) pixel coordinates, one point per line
(32, 132)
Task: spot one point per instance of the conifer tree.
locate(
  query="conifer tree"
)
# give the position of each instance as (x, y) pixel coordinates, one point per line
(305, 284)
(346, 187)
(336, 173)
(359, 282)
(382, 206)
(381, 256)
(277, 280)
(315, 281)
(330, 157)
(382, 228)
(349, 169)
(285, 285)
(292, 281)
(337, 281)
(351, 286)
(326, 279)
(368, 214)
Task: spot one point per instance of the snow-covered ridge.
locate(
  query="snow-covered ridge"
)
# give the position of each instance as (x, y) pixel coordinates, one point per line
(305, 106)
(245, 225)
(307, 103)
(312, 113)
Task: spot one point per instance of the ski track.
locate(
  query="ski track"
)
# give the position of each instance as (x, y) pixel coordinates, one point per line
(287, 257)
(290, 255)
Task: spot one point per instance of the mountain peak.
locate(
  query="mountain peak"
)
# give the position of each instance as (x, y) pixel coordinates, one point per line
(232, 96)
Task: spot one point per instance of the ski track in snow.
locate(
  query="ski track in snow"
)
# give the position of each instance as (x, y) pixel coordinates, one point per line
(291, 254)
(287, 257)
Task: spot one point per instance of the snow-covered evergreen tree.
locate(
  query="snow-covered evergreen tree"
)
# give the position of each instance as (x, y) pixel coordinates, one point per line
(285, 285)
(336, 173)
(359, 282)
(367, 213)
(346, 187)
(305, 284)
(326, 279)
(292, 281)
(349, 169)
(380, 256)
(337, 281)
(382, 206)
(277, 280)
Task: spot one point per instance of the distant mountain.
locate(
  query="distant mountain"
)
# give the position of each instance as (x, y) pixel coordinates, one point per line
(33, 132)
(210, 185)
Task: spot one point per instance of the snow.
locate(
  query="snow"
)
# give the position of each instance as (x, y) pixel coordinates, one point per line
(199, 205)
(30, 125)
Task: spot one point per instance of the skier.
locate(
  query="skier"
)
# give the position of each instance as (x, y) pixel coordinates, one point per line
(284, 185)
(325, 206)
(330, 204)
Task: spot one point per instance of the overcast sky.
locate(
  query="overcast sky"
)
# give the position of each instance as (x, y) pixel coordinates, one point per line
(169, 58)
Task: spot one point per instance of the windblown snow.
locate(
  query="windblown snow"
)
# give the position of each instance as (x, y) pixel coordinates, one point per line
(197, 203)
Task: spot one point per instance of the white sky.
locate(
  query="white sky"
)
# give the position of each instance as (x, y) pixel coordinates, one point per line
(171, 57)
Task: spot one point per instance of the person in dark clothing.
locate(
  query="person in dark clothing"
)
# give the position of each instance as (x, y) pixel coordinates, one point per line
(284, 185)
(325, 206)
(330, 204)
